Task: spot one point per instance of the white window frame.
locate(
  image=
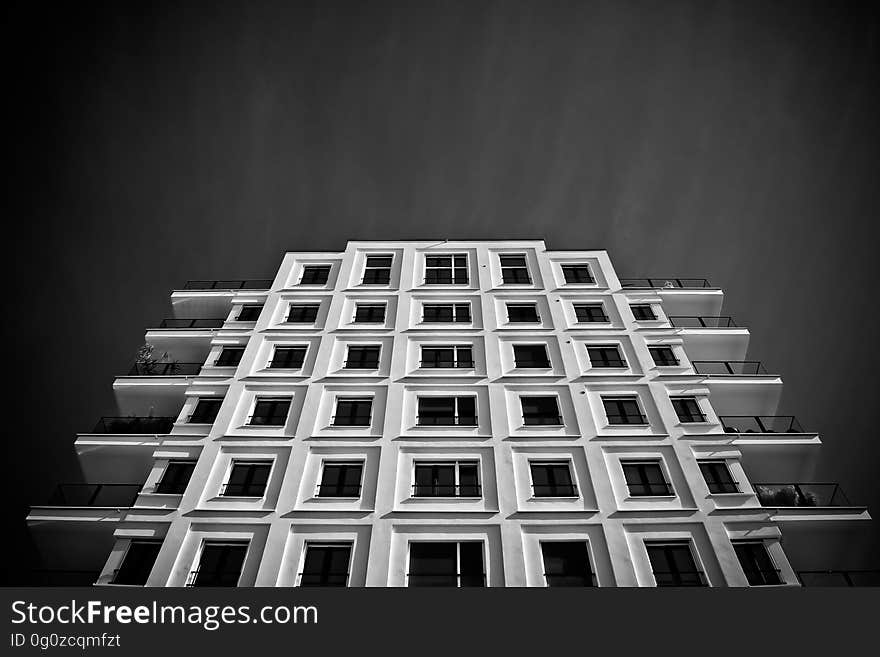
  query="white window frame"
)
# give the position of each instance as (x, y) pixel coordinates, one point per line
(455, 463)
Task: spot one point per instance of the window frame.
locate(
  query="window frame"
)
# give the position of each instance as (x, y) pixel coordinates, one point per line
(653, 318)
(733, 483)
(620, 398)
(364, 347)
(456, 413)
(558, 416)
(307, 268)
(345, 399)
(652, 348)
(456, 360)
(703, 418)
(207, 542)
(777, 572)
(619, 364)
(285, 347)
(340, 462)
(456, 464)
(258, 399)
(324, 544)
(456, 306)
(591, 305)
(233, 462)
(523, 304)
(295, 304)
(229, 348)
(132, 542)
(545, 364)
(564, 267)
(376, 268)
(698, 566)
(370, 304)
(458, 574)
(644, 482)
(514, 268)
(575, 488)
(249, 306)
(176, 462)
(593, 579)
(451, 268)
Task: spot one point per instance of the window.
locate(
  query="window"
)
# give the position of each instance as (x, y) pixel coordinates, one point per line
(219, 565)
(205, 411)
(566, 563)
(447, 411)
(291, 358)
(326, 564)
(315, 275)
(341, 479)
(673, 564)
(451, 356)
(137, 563)
(590, 312)
(756, 563)
(552, 479)
(540, 410)
(718, 478)
(369, 313)
(270, 411)
(522, 312)
(646, 479)
(447, 479)
(663, 356)
(303, 313)
(176, 477)
(377, 270)
(623, 410)
(247, 479)
(606, 356)
(229, 357)
(353, 412)
(446, 270)
(514, 269)
(362, 358)
(577, 274)
(446, 564)
(530, 355)
(446, 312)
(688, 409)
(249, 313)
(643, 312)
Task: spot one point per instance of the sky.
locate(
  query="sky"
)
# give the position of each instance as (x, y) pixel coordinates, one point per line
(158, 142)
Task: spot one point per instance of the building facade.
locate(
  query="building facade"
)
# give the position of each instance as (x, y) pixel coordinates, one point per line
(455, 413)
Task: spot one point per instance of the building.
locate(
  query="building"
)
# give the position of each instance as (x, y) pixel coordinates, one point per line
(461, 413)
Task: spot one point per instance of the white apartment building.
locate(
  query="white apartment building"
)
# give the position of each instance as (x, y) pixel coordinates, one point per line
(447, 413)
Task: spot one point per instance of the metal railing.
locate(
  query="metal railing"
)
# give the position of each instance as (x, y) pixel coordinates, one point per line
(59, 577)
(680, 578)
(134, 424)
(665, 283)
(165, 369)
(701, 321)
(520, 363)
(561, 579)
(361, 364)
(446, 364)
(536, 419)
(339, 490)
(323, 579)
(729, 367)
(243, 284)
(839, 577)
(445, 579)
(172, 323)
(760, 424)
(243, 490)
(800, 495)
(199, 577)
(447, 490)
(350, 421)
(446, 420)
(624, 420)
(555, 490)
(102, 495)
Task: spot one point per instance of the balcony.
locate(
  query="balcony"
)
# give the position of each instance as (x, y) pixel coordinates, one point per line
(244, 284)
(741, 387)
(808, 501)
(194, 323)
(134, 425)
(95, 495)
(760, 424)
(165, 369)
(730, 367)
(839, 577)
(665, 283)
(702, 321)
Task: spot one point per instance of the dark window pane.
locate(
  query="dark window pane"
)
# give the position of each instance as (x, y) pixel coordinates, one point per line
(326, 565)
(467, 410)
(315, 275)
(718, 477)
(229, 357)
(663, 356)
(605, 357)
(205, 411)
(341, 480)
(673, 565)
(645, 479)
(590, 312)
(468, 480)
(577, 274)
(438, 313)
(514, 269)
(249, 313)
(552, 480)
(756, 563)
(540, 410)
(176, 477)
(137, 563)
(362, 358)
(353, 412)
(471, 563)
(377, 270)
(532, 355)
(220, 565)
(688, 410)
(370, 313)
(270, 412)
(462, 312)
(303, 314)
(566, 563)
(435, 480)
(623, 411)
(522, 312)
(643, 312)
(433, 564)
(247, 479)
(288, 357)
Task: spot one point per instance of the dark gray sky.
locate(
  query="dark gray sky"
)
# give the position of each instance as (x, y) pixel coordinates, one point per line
(736, 141)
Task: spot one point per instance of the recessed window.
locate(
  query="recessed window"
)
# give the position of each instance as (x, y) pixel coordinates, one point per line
(566, 563)
(247, 479)
(531, 355)
(219, 565)
(175, 477)
(205, 411)
(446, 563)
(315, 275)
(447, 357)
(446, 479)
(673, 564)
(137, 563)
(756, 563)
(353, 412)
(687, 409)
(446, 312)
(540, 410)
(341, 479)
(290, 358)
(303, 313)
(606, 356)
(623, 410)
(446, 270)
(514, 269)
(590, 312)
(249, 313)
(369, 313)
(522, 312)
(663, 356)
(270, 411)
(643, 312)
(577, 274)
(552, 479)
(362, 358)
(325, 564)
(646, 479)
(229, 357)
(377, 270)
(718, 477)
(447, 411)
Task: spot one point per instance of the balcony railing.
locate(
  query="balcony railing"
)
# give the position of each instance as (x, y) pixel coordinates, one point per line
(102, 495)
(446, 420)
(701, 321)
(555, 490)
(252, 284)
(134, 424)
(729, 367)
(165, 369)
(446, 364)
(536, 419)
(800, 495)
(339, 490)
(199, 577)
(760, 424)
(447, 490)
(55, 577)
(665, 283)
(839, 577)
(172, 323)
